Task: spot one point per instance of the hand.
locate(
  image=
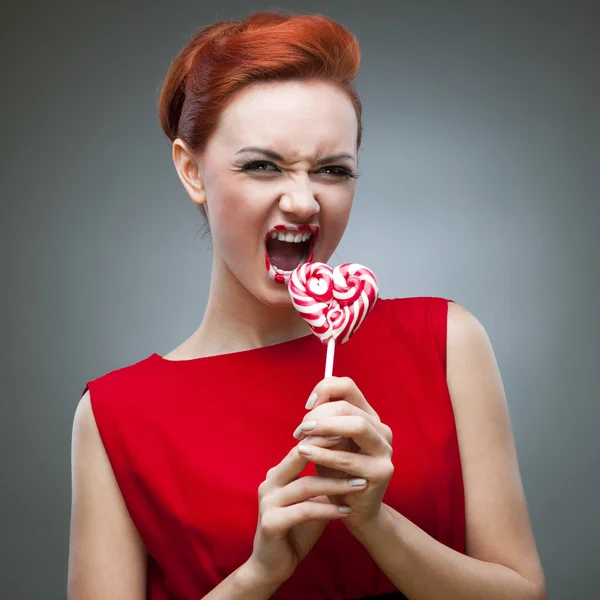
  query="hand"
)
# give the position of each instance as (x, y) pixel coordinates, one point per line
(292, 515)
(364, 451)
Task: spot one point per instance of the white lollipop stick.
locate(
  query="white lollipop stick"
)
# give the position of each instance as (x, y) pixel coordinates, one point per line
(329, 358)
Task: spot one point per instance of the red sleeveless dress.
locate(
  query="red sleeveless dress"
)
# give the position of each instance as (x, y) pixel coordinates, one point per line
(190, 442)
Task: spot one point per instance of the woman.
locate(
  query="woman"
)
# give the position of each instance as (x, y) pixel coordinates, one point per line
(175, 457)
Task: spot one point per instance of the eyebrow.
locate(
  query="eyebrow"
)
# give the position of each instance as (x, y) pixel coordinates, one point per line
(275, 156)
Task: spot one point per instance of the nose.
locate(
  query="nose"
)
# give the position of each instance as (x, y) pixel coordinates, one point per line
(299, 203)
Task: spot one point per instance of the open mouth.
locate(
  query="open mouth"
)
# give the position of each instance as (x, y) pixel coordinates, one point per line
(288, 247)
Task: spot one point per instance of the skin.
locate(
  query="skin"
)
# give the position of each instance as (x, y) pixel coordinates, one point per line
(303, 122)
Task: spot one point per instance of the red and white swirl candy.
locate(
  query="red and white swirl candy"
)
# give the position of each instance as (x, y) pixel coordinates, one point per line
(334, 302)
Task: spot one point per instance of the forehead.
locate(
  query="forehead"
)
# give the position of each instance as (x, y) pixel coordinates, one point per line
(299, 119)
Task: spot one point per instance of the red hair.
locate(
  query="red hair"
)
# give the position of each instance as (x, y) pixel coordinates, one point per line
(227, 56)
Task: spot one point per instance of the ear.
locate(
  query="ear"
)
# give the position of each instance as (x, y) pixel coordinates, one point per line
(189, 171)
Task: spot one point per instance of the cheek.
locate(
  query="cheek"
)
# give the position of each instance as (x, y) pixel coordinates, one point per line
(337, 212)
(227, 206)
(236, 222)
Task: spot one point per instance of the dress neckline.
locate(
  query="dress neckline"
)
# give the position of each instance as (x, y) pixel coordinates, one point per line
(279, 349)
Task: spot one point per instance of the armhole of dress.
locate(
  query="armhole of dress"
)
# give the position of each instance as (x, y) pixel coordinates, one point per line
(456, 523)
(88, 389)
(439, 320)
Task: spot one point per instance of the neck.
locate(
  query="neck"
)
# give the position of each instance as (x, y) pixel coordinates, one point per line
(235, 320)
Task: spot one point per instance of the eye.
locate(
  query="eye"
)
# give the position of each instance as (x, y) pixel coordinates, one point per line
(334, 170)
(253, 166)
(341, 172)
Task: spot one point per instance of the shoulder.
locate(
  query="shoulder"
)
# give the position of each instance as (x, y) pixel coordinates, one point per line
(84, 424)
(111, 402)
(88, 454)
(472, 371)
(122, 382)
(464, 326)
(468, 344)
(129, 373)
(473, 376)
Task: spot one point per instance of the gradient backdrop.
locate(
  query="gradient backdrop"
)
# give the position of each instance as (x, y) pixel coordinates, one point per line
(480, 183)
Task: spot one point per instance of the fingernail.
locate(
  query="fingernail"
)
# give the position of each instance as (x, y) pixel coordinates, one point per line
(304, 449)
(304, 427)
(311, 401)
(357, 481)
(345, 509)
(333, 437)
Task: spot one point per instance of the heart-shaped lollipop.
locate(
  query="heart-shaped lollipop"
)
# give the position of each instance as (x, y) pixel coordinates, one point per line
(334, 302)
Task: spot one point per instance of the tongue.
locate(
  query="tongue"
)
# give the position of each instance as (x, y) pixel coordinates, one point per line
(284, 255)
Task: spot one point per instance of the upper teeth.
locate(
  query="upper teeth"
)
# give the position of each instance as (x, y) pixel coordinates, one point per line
(288, 236)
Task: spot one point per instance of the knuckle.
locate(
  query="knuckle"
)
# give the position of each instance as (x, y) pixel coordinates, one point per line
(362, 425)
(304, 486)
(268, 524)
(345, 459)
(265, 500)
(305, 511)
(389, 434)
(262, 489)
(387, 469)
(347, 382)
(343, 407)
(315, 413)
(310, 415)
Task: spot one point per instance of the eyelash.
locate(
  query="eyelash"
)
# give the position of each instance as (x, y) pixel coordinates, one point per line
(344, 174)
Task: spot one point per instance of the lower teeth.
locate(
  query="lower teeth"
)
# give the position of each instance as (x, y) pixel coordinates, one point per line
(278, 270)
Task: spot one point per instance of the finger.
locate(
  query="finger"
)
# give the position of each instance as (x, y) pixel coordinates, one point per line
(320, 440)
(277, 521)
(354, 463)
(292, 465)
(359, 429)
(286, 471)
(321, 499)
(309, 486)
(344, 389)
(339, 408)
(339, 388)
(332, 409)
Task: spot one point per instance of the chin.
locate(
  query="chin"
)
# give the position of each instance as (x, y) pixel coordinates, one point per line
(275, 294)
(259, 285)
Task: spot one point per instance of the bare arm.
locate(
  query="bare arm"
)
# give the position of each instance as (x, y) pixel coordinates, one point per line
(501, 560)
(107, 559)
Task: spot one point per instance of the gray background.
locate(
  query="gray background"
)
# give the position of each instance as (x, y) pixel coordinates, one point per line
(480, 183)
